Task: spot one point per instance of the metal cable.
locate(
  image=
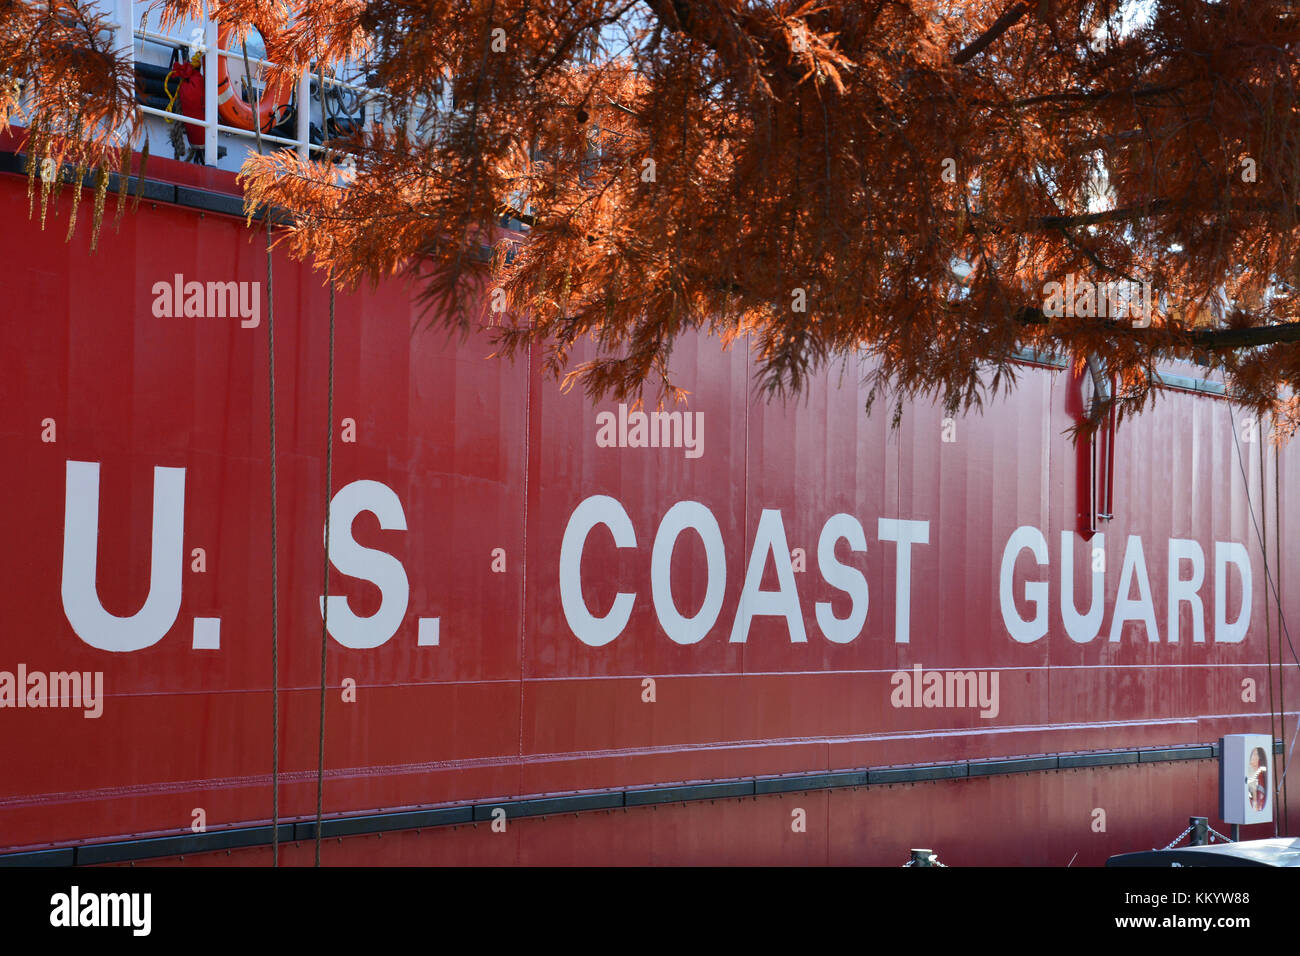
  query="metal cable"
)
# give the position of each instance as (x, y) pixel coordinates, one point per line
(329, 490)
(325, 613)
(1268, 625)
(1277, 563)
(1255, 522)
(1286, 765)
(275, 590)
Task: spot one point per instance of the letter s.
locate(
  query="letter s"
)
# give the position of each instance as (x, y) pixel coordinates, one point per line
(842, 577)
(378, 567)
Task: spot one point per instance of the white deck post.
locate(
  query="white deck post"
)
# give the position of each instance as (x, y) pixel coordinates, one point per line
(303, 132)
(210, 67)
(125, 47)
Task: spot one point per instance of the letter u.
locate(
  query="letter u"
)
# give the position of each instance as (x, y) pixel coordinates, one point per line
(81, 603)
(1082, 628)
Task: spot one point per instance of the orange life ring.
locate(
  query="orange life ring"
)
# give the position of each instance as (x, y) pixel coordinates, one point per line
(231, 107)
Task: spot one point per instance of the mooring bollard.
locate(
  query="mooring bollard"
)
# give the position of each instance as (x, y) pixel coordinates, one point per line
(1200, 830)
(923, 858)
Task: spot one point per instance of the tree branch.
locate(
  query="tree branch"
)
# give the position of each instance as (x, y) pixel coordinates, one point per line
(1082, 96)
(1211, 340)
(1228, 339)
(1152, 208)
(1121, 214)
(1000, 26)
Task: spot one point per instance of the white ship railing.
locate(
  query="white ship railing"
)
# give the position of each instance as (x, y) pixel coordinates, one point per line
(126, 16)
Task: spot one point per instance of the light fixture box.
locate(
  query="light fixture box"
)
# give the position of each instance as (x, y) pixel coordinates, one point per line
(1246, 778)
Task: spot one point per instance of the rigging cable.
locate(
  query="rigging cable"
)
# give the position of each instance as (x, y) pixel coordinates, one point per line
(275, 601)
(329, 489)
(1277, 563)
(1268, 625)
(1286, 766)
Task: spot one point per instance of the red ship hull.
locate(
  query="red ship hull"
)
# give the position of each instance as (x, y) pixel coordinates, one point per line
(470, 478)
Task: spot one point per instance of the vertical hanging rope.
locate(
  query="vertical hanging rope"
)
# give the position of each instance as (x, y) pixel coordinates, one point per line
(275, 589)
(1268, 575)
(1268, 624)
(1277, 564)
(329, 491)
(325, 615)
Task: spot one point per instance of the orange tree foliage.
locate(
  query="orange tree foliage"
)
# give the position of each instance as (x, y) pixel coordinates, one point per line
(912, 171)
(60, 57)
